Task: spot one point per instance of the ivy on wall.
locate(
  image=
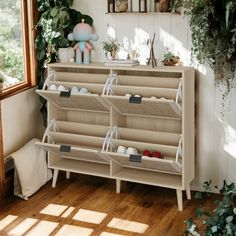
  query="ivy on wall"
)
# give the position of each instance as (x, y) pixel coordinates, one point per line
(213, 28)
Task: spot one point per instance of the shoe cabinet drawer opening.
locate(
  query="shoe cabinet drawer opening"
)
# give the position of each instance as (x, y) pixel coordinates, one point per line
(78, 135)
(148, 81)
(169, 164)
(81, 77)
(167, 151)
(148, 136)
(80, 101)
(81, 128)
(126, 105)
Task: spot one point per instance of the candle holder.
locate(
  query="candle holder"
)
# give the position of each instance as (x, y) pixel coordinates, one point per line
(143, 6)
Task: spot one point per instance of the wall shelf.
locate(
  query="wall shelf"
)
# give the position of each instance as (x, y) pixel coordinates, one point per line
(145, 13)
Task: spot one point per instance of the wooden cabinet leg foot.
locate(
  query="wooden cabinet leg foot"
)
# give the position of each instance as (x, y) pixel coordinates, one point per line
(54, 180)
(179, 199)
(188, 192)
(67, 174)
(118, 183)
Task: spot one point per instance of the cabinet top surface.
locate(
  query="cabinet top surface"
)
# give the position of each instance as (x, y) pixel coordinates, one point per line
(99, 65)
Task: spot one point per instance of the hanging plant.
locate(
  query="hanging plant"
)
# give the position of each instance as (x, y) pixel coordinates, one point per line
(213, 28)
(56, 21)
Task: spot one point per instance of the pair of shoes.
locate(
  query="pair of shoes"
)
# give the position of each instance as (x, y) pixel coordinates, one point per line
(54, 87)
(125, 150)
(155, 154)
(129, 95)
(77, 90)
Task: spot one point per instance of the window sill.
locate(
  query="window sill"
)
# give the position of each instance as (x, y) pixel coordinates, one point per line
(12, 91)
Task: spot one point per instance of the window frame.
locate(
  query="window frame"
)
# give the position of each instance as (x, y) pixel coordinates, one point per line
(29, 19)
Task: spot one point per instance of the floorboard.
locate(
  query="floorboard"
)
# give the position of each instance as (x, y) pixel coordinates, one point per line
(92, 207)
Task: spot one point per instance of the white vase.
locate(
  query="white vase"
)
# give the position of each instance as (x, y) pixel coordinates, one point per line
(66, 54)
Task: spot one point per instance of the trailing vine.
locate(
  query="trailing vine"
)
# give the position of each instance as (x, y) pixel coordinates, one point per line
(56, 20)
(213, 27)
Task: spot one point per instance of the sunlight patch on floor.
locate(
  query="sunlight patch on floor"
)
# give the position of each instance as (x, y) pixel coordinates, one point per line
(70, 230)
(53, 209)
(6, 221)
(22, 227)
(67, 212)
(43, 228)
(89, 216)
(128, 225)
(37, 227)
(110, 234)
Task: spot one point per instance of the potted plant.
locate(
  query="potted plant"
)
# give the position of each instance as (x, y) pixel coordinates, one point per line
(111, 47)
(170, 59)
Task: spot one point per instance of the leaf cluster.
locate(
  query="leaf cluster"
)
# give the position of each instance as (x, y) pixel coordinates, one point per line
(222, 220)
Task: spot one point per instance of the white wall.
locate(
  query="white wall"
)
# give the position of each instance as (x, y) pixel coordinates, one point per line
(21, 120)
(216, 140)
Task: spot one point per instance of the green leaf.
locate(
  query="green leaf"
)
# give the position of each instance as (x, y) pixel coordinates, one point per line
(41, 54)
(63, 42)
(198, 195)
(54, 11)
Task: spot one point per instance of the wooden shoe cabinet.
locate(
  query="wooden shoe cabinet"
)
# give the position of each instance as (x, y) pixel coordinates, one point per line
(140, 107)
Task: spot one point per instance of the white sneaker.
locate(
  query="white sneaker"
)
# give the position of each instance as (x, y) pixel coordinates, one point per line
(52, 87)
(132, 151)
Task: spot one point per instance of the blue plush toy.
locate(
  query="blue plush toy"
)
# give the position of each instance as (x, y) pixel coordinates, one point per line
(82, 33)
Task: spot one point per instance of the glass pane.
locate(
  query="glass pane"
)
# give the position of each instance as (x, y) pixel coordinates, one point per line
(11, 46)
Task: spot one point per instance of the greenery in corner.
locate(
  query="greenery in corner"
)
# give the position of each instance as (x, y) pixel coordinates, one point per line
(219, 222)
(213, 27)
(56, 21)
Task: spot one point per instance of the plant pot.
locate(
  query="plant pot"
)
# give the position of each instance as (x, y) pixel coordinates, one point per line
(113, 53)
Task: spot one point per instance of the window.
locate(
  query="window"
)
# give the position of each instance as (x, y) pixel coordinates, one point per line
(16, 47)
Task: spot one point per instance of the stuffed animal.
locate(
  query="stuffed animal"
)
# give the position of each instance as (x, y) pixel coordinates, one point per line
(82, 33)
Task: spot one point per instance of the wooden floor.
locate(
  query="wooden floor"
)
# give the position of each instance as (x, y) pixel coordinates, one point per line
(137, 210)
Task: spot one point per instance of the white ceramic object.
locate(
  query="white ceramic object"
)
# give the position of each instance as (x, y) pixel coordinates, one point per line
(66, 54)
(137, 95)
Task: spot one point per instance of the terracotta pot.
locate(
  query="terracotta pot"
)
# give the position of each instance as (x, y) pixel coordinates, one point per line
(123, 7)
(164, 5)
(113, 53)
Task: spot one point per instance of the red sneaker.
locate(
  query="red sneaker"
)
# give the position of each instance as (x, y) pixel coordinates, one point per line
(147, 153)
(157, 154)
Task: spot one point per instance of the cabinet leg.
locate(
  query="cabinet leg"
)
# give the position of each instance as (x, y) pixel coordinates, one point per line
(54, 180)
(179, 199)
(67, 175)
(118, 183)
(188, 192)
